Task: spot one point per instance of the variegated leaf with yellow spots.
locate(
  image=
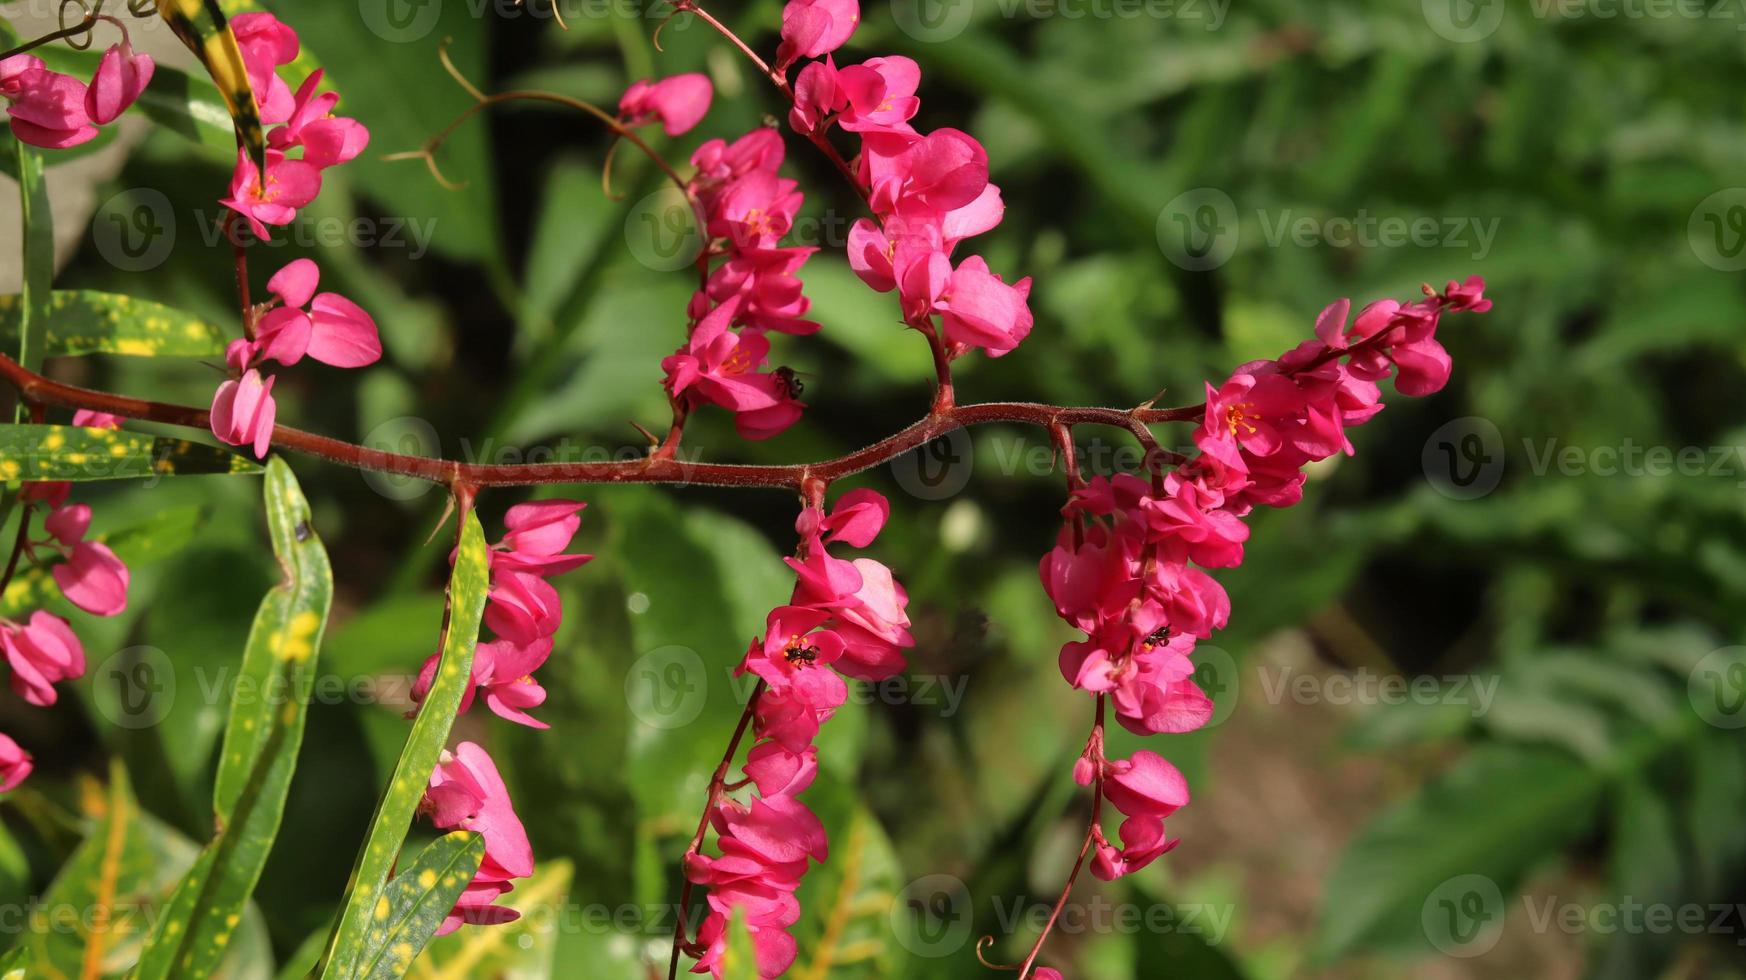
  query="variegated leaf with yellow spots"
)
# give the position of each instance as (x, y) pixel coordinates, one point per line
(268, 710)
(202, 26)
(468, 585)
(416, 902)
(80, 454)
(527, 947)
(87, 321)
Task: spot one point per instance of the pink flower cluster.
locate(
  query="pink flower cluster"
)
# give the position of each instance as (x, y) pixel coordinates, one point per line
(523, 609)
(751, 288)
(1128, 567)
(929, 191)
(466, 793)
(301, 121)
(43, 650)
(55, 111)
(295, 323)
(845, 618)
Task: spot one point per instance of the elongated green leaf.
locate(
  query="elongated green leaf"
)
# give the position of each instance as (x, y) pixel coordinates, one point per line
(416, 902)
(261, 739)
(1408, 881)
(430, 730)
(845, 927)
(526, 947)
(83, 918)
(15, 965)
(79, 454)
(39, 260)
(87, 321)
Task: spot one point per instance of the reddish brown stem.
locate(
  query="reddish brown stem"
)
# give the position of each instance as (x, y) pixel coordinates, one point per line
(1094, 746)
(717, 786)
(38, 388)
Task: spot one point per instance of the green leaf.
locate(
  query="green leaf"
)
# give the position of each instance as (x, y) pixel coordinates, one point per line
(417, 901)
(113, 859)
(845, 926)
(39, 260)
(79, 454)
(523, 948)
(1493, 816)
(740, 962)
(261, 739)
(86, 321)
(430, 730)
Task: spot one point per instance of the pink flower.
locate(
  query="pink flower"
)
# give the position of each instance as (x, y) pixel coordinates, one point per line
(327, 140)
(290, 185)
(537, 534)
(467, 793)
(779, 772)
(522, 607)
(791, 647)
(880, 93)
(814, 28)
(96, 420)
(243, 412)
(41, 653)
(334, 331)
(92, 578)
(679, 102)
(504, 671)
(47, 108)
(121, 76)
(982, 311)
(1467, 297)
(1244, 416)
(718, 366)
(267, 44)
(15, 764)
(942, 171)
(1147, 789)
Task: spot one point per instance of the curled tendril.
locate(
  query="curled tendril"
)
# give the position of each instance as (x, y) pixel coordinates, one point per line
(982, 948)
(428, 155)
(655, 39)
(78, 36)
(455, 73)
(142, 8)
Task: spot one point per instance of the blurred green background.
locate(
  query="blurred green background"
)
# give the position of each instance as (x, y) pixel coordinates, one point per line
(1553, 550)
